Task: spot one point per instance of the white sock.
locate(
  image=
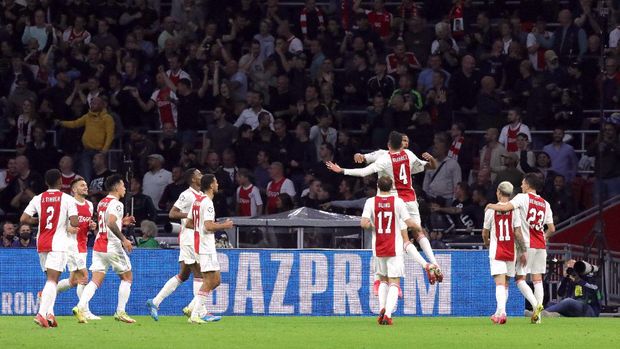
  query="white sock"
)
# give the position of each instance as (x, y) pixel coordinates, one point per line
(124, 290)
(500, 297)
(200, 301)
(526, 291)
(506, 286)
(413, 253)
(63, 285)
(48, 297)
(165, 291)
(197, 284)
(87, 295)
(79, 290)
(428, 251)
(539, 291)
(392, 299)
(383, 292)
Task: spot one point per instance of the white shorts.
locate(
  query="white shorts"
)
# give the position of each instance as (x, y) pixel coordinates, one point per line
(209, 262)
(414, 211)
(536, 262)
(76, 260)
(502, 267)
(118, 260)
(53, 260)
(392, 267)
(188, 255)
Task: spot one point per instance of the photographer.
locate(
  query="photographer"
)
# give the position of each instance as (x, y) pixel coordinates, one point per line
(580, 292)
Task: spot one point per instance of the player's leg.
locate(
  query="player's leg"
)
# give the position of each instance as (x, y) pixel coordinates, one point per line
(99, 267)
(380, 264)
(52, 263)
(422, 238)
(81, 280)
(169, 287)
(196, 285)
(500, 297)
(124, 291)
(392, 299)
(210, 268)
(537, 261)
(412, 252)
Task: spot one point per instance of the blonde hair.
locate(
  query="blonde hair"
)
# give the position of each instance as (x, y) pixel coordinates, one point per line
(505, 188)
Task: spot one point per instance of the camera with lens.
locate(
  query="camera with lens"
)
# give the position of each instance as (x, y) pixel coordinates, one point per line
(584, 268)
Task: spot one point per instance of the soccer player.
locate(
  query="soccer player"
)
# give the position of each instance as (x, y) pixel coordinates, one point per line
(202, 216)
(502, 233)
(109, 250)
(399, 164)
(384, 214)
(249, 201)
(54, 209)
(76, 255)
(534, 213)
(188, 258)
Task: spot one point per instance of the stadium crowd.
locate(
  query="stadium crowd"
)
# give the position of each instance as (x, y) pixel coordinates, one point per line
(261, 91)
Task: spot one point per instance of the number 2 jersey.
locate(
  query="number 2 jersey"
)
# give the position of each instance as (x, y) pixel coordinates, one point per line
(502, 226)
(106, 241)
(385, 213)
(399, 166)
(54, 209)
(534, 212)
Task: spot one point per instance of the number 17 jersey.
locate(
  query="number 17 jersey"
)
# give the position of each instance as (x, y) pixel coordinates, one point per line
(385, 213)
(534, 213)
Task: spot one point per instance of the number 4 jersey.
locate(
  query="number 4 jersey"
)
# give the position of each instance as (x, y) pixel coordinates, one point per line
(534, 213)
(54, 208)
(502, 226)
(385, 213)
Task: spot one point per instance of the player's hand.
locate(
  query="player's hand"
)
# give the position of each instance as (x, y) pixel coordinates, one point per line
(127, 245)
(129, 220)
(333, 167)
(427, 156)
(359, 158)
(523, 259)
(227, 224)
(487, 207)
(92, 225)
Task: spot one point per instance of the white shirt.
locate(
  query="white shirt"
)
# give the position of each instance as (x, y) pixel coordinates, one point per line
(154, 183)
(54, 209)
(445, 181)
(106, 241)
(489, 224)
(255, 200)
(531, 216)
(503, 136)
(295, 45)
(205, 212)
(614, 36)
(184, 204)
(382, 225)
(531, 41)
(435, 46)
(249, 117)
(287, 187)
(318, 136)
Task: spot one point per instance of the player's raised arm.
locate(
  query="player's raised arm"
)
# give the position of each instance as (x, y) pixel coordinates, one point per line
(500, 208)
(356, 172)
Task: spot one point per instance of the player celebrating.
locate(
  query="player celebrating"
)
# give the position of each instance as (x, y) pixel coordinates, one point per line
(76, 255)
(202, 216)
(109, 250)
(504, 229)
(399, 164)
(53, 208)
(384, 212)
(188, 258)
(534, 213)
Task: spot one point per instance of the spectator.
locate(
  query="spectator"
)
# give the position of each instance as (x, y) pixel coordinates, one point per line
(104, 37)
(465, 84)
(539, 40)
(303, 153)
(77, 35)
(320, 171)
(188, 111)
(436, 240)
(222, 134)
(282, 141)
(310, 196)
(381, 82)
(8, 234)
(438, 101)
(563, 156)
(42, 154)
(323, 132)
(489, 104)
(440, 184)
(379, 18)
(264, 135)
(250, 115)
(543, 166)
(164, 98)
(508, 136)
(444, 45)
(245, 147)
(480, 201)
(510, 173)
(229, 164)
(294, 44)
(27, 184)
(149, 232)
(311, 21)
(143, 207)
(568, 39)
(157, 178)
(265, 39)
(65, 165)
(7, 175)
(610, 80)
(40, 31)
(25, 123)
(278, 185)
(461, 148)
(280, 99)
(311, 107)
(173, 190)
(261, 171)
(459, 214)
(527, 159)
(425, 79)
(25, 237)
(561, 200)
(20, 91)
(101, 172)
(248, 199)
(418, 37)
(98, 134)
(168, 145)
(356, 81)
(168, 33)
(606, 151)
(491, 153)
(400, 55)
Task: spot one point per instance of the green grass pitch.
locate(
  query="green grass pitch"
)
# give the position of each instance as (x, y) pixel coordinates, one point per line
(313, 332)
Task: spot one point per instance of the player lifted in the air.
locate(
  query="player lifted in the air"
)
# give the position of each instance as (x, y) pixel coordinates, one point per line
(188, 257)
(54, 209)
(502, 233)
(202, 218)
(109, 250)
(534, 213)
(384, 213)
(76, 255)
(399, 164)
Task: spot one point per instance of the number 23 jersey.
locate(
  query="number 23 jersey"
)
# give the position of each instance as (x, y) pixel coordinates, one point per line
(534, 213)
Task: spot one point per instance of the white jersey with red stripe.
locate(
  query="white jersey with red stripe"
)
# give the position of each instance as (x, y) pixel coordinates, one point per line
(54, 209)
(501, 226)
(77, 242)
(385, 212)
(106, 241)
(184, 204)
(534, 212)
(399, 166)
(203, 210)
